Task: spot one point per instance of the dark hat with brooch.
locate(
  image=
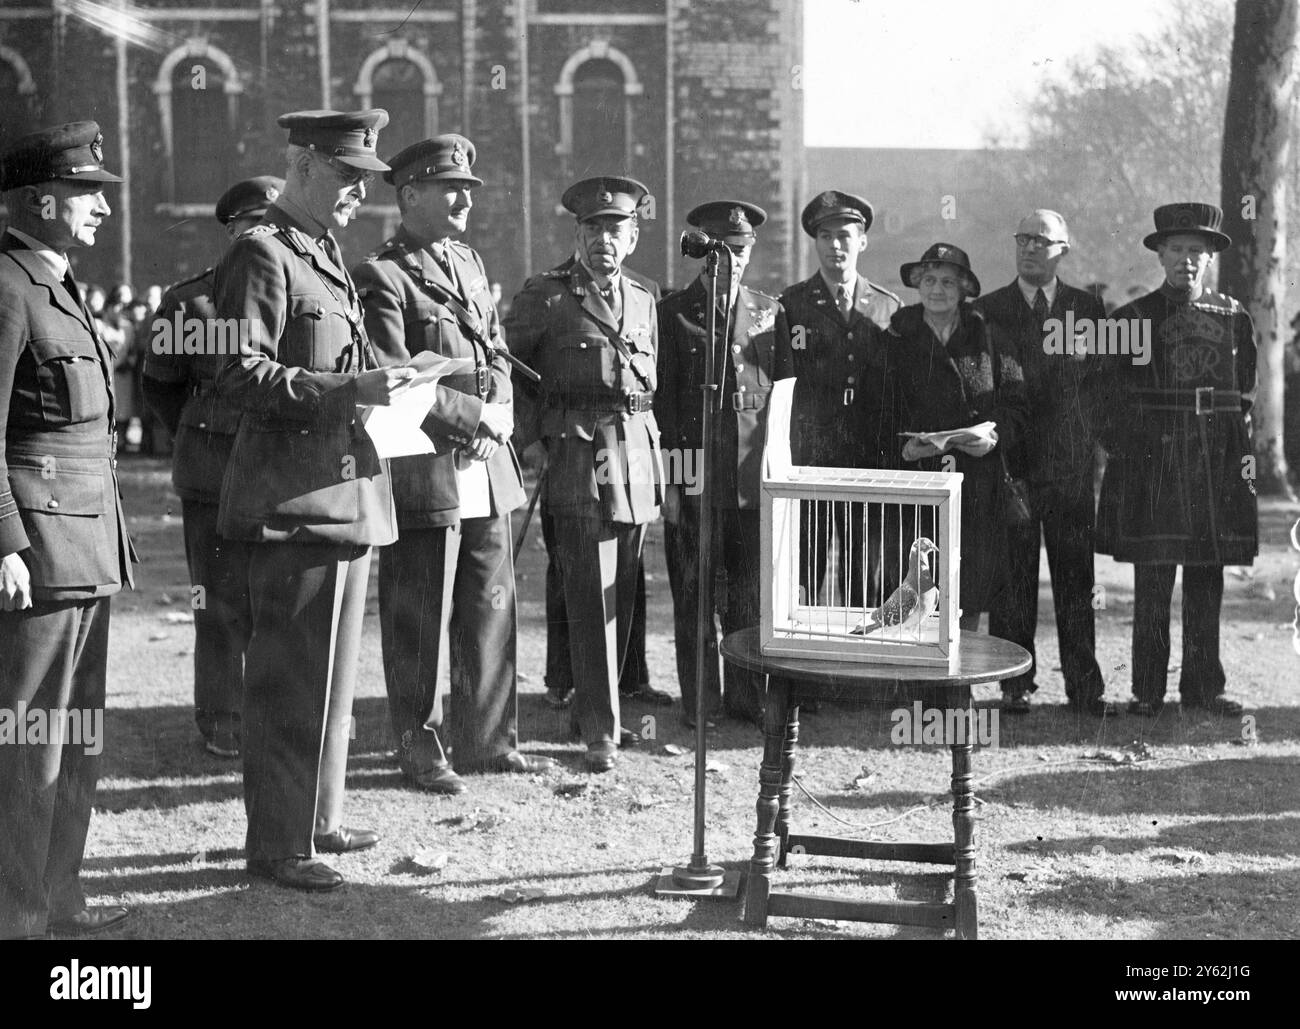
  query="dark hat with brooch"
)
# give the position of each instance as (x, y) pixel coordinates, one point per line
(605, 195)
(446, 157)
(249, 199)
(942, 253)
(728, 221)
(346, 136)
(836, 204)
(72, 151)
(1188, 219)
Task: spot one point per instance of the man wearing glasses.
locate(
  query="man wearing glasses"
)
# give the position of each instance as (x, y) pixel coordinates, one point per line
(1055, 456)
(306, 490)
(590, 332)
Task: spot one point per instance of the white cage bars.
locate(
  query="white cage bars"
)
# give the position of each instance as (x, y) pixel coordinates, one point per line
(890, 546)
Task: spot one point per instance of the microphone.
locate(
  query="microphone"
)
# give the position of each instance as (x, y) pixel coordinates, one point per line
(699, 244)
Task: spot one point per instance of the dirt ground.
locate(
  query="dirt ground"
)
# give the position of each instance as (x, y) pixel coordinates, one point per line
(1180, 827)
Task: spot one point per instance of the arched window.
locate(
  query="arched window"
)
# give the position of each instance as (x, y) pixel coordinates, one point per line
(198, 89)
(17, 96)
(596, 91)
(402, 80)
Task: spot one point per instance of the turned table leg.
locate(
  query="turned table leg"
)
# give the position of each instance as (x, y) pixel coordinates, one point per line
(963, 824)
(787, 777)
(775, 716)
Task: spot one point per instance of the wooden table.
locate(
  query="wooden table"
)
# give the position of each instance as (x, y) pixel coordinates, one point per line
(793, 680)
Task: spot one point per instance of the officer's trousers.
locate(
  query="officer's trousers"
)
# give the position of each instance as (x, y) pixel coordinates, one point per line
(52, 659)
(1202, 676)
(308, 602)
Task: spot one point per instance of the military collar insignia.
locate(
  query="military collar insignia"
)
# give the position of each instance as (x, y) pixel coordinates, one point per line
(97, 148)
(458, 156)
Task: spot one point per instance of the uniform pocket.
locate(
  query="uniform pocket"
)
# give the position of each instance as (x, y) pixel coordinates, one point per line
(586, 364)
(315, 334)
(71, 380)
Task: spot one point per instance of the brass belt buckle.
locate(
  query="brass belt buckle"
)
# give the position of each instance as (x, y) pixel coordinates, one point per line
(1204, 400)
(738, 401)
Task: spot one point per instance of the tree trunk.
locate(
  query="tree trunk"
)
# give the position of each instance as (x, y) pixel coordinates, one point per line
(1256, 146)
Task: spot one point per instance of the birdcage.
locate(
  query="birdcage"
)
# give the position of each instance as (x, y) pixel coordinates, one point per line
(859, 564)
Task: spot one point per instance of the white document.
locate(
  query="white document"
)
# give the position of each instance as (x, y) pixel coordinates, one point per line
(395, 429)
(472, 489)
(943, 440)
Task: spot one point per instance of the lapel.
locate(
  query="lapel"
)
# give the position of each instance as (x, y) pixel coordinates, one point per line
(41, 274)
(307, 247)
(590, 298)
(822, 301)
(741, 318)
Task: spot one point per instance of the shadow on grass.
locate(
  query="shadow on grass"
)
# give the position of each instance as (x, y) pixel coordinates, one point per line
(1272, 837)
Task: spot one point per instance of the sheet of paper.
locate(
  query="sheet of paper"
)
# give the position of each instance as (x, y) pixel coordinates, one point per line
(943, 440)
(472, 490)
(395, 429)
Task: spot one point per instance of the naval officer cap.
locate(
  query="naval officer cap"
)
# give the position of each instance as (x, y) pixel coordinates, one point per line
(347, 136)
(443, 158)
(728, 221)
(834, 203)
(73, 151)
(605, 195)
(249, 199)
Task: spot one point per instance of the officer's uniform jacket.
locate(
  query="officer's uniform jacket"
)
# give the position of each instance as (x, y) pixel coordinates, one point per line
(595, 409)
(840, 366)
(757, 323)
(181, 388)
(302, 468)
(404, 317)
(60, 510)
(1178, 488)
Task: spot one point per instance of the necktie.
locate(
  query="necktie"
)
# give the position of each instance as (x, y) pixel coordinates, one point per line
(443, 259)
(844, 301)
(613, 299)
(1040, 306)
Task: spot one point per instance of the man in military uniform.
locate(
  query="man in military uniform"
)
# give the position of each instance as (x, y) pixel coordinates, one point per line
(180, 387)
(1178, 439)
(1055, 457)
(843, 415)
(63, 545)
(591, 333)
(306, 489)
(451, 570)
(752, 323)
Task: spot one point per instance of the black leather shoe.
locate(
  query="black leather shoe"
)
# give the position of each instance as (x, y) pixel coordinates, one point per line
(1220, 705)
(559, 699)
(440, 779)
(601, 757)
(1015, 702)
(1096, 708)
(647, 693)
(342, 840)
(90, 920)
(710, 724)
(520, 764)
(627, 738)
(298, 873)
(1145, 708)
(222, 744)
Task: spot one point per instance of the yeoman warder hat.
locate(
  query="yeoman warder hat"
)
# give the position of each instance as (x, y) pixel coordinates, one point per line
(1182, 218)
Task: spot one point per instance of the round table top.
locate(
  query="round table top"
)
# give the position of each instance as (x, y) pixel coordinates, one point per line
(980, 658)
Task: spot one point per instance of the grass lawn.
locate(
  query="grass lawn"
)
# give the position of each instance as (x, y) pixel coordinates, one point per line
(1198, 839)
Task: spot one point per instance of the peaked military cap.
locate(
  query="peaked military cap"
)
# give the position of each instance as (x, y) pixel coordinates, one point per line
(604, 194)
(449, 156)
(71, 151)
(728, 221)
(1182, 218)
(835, 204)
(347, 136)
(942, 253)
(249, 199)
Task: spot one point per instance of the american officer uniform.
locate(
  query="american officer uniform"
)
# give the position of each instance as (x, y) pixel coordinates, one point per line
(1176, 490)
(450, 575)
(180, 386)
(596, 355)
(753, 322)
(60, 518)
(844, 413)
(306, 490)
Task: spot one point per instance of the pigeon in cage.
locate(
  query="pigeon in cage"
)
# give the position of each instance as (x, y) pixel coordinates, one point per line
(913, 602)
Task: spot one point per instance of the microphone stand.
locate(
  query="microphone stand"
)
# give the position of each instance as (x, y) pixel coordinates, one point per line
(699, 878)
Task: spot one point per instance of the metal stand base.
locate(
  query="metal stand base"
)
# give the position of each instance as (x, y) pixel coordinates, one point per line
(711, 881)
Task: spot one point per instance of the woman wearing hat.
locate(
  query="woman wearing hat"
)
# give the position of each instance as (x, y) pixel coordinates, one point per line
(956, 376)
(1179, 486)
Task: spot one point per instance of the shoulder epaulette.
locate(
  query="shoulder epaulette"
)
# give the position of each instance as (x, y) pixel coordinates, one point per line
(641, 286)
(881, 289)
(254, 231)
(761, 295)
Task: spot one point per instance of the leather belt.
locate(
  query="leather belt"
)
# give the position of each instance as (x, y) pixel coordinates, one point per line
(1202, 400)
(631, 402)
(748, 401)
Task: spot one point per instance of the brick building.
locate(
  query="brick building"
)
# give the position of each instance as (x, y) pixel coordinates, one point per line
(697, 98)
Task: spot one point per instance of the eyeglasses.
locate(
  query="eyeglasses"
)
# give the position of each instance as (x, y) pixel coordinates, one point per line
(352, 176)
(1028, 242)
(946, 281)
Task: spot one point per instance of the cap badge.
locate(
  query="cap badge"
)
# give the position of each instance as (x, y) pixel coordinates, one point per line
(605, 197)
(736, 217)
(940, 251)
(458, 156)
(97, 148)
(370, 138)
(272, 193)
